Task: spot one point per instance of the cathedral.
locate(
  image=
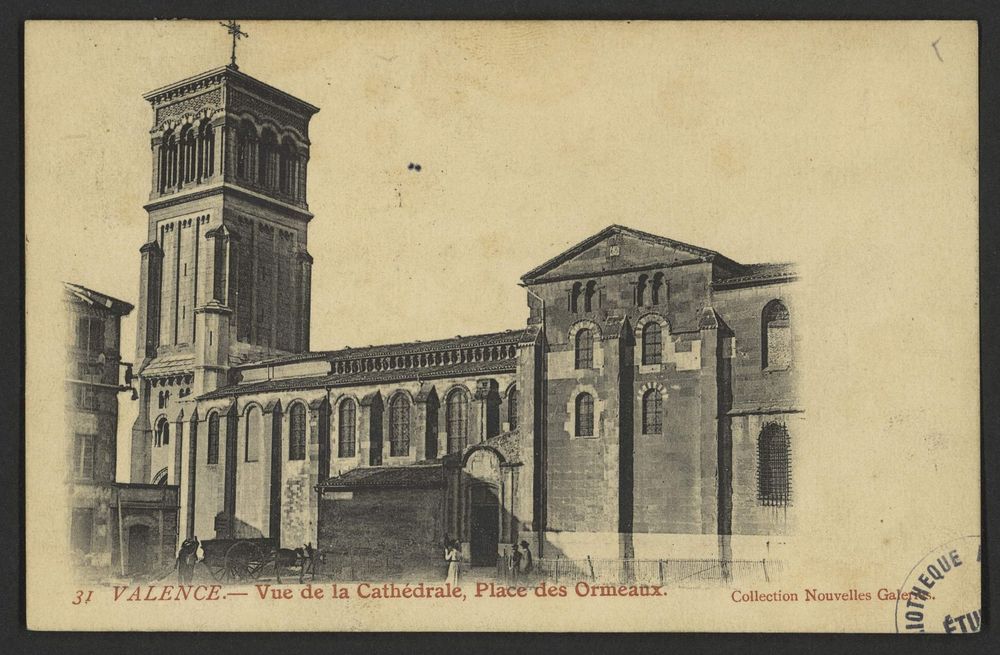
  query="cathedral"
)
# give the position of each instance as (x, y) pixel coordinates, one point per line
(647, 407)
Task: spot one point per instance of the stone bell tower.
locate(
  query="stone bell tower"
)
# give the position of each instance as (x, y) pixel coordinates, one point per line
(225, 273)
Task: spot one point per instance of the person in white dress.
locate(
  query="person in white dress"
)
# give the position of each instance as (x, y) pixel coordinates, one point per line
(451, 555)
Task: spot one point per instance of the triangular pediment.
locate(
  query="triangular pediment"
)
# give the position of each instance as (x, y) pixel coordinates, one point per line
(618, 248)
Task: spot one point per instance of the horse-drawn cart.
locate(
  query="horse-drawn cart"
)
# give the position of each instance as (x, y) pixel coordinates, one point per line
(247, 560)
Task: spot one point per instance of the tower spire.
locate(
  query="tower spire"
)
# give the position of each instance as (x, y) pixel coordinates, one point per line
(233, 28)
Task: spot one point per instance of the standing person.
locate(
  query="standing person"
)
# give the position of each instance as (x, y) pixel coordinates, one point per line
(527, 562)
(451, 556)
(187, 557)
(515, 562)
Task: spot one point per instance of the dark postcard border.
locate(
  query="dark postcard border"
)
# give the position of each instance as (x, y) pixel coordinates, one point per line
(17, 639)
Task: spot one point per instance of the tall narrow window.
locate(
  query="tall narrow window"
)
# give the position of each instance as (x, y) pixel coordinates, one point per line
(246, 150)
(584, 415)
(776, 339)
(254, 432)
(584, 347)
(574, 297)
(213, 439)
(773, 474)
(297, 432)
(288, 168)
(652, 343)
(640, 290)
(268, 164)
(162, 437)
(457, 419)
(345, 429)
(589, 293)
(189, 147)
(83, 458)
(399, 426)
(652, 412)
(206, 161)
(656, 289)
(512, 408)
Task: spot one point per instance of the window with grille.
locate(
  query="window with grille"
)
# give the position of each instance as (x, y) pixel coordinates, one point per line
(86, 397)
(584, 349)
(297, 432)
(512, 408)
(213, 439)
(90, 334)
(254, 431)
(776, 336)
(83, 457)
(457, 419)
(345, 429)
(584, 415)
(399, 426)
(652, 412)
(652, 343)
(773, 464)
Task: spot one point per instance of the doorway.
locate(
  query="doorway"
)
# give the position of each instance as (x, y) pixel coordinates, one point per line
(138, 549)
(484, 526)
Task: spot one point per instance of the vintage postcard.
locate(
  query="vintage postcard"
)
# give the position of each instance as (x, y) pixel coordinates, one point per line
(519, 326)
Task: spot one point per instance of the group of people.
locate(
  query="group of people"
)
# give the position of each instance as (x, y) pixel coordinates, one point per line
(521, 562)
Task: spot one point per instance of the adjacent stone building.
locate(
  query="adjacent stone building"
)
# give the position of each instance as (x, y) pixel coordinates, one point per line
(107, 518)
(646, 408)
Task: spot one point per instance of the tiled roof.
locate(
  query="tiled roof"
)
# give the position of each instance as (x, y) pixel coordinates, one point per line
(759, 274)
(421, 475)
(404, 348)
(92, 297)
(348, 376)
(168, 365)
(566, 255)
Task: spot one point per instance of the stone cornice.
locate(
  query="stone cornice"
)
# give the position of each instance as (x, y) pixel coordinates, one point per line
(226, 188)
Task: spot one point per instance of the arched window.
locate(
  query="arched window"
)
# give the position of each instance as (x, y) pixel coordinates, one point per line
(288, 168)
(773, 466)
(297, 432)
(187, 154)
(345, 429)
(656, 289)
(588, 296)
(652, 412)
(584, 348)
(268, 175)
(512, 398)
(160, 479)
(574, 297)
(162, 436)
(254, 432)
(652, 343)
(775, 337)
(584, 415)
(457, 420)
(206, 150)
(213, 439)
(640, 290)
(168, 161)
(399, 426)
(246, 150)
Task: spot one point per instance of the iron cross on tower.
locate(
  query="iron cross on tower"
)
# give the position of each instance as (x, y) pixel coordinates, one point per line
(233, 28)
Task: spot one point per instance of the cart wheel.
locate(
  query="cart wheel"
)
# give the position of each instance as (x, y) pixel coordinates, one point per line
(217, 567)
(244, 561)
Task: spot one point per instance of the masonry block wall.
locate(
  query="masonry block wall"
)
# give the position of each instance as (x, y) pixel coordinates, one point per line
(761, 395)
(402, 526)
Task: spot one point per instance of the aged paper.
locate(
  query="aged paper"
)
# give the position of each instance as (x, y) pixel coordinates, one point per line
(502, 326)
